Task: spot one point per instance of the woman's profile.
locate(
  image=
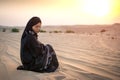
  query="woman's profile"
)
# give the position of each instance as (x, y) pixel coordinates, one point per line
(35, 56)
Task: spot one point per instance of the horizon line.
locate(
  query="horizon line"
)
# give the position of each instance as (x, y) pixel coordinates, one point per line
(62, 25)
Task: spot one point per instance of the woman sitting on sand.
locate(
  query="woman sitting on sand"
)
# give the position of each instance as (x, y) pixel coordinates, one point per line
(35, 56)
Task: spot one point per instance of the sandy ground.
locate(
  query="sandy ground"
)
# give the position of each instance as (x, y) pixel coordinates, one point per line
(82, 56)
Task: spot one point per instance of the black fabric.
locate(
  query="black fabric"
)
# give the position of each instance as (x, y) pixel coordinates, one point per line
(34, 55)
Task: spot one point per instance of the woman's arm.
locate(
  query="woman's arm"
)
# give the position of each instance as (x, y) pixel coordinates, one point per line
(34, 46)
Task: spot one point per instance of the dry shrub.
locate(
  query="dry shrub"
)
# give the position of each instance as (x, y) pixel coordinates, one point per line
(103, 30)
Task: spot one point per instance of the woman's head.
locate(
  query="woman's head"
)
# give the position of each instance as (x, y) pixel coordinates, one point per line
(34, 24)
(36, 27)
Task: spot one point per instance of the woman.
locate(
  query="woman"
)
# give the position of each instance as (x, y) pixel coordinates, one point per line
(35, 56)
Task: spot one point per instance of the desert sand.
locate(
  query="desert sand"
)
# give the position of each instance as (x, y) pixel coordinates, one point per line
(87, 54)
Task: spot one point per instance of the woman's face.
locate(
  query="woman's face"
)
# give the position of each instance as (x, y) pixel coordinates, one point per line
(36, 28)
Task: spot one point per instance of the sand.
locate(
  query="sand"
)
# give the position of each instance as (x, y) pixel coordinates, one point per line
(86, 55)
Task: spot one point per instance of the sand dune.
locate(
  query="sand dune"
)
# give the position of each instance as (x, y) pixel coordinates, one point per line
(81, 56)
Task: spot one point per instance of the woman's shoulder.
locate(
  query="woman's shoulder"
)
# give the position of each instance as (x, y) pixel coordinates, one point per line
(30, 37)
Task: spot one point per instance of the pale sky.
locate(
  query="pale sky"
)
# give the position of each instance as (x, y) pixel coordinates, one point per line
(59, 12)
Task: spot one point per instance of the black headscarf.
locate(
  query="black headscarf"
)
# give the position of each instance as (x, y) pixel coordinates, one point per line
(33, 21)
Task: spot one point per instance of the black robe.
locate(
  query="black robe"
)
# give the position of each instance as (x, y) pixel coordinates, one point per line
(36, 56)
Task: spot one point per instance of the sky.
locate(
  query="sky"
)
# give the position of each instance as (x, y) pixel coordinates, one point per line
(59, 12)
